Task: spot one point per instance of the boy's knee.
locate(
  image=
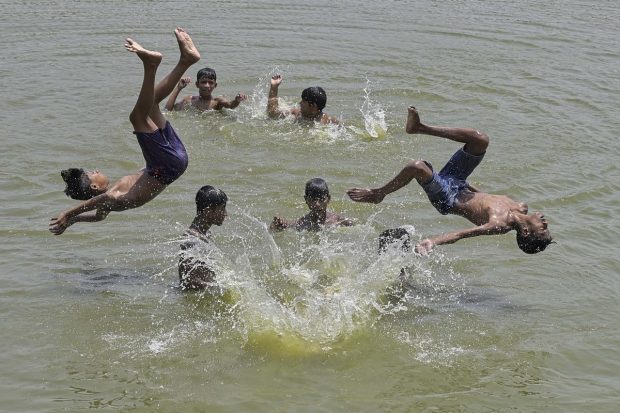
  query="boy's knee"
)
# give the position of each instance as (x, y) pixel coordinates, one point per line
(418, 167)
(483, 139)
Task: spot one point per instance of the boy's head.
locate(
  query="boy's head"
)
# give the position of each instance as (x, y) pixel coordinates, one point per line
(533, 235)
(313, 100)
(206, 81)
(317, 194)
(393, 236)
(211, 204)
(83, 184)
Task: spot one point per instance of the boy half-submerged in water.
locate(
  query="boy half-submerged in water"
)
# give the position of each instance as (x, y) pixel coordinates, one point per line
(164, 153)
(317, 198)
(450, 193)
(194, 272)
(313, 101)
(206, 82)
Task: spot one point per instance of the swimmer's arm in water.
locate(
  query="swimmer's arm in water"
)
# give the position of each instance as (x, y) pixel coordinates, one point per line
(279, 224)
(273, 110)
(426, 245)
(222, 102)
(101, 203)
(171, 103)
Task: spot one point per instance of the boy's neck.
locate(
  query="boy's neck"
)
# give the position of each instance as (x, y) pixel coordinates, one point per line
(200, 225)
(318, 216)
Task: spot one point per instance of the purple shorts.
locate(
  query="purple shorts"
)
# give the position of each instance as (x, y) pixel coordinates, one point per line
(164, 153)
(444, 187)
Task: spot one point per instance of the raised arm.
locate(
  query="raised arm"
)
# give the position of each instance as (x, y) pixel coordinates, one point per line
(273, 111)
(171, 103)
(426, 245)
(225, 103)
(101, 203)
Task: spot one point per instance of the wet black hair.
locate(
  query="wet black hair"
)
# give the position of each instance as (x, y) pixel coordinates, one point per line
(393, 235)
(316, 95)
(533, 243)
(316, 188)
(78, 184)
(206, 72)
(209, 196)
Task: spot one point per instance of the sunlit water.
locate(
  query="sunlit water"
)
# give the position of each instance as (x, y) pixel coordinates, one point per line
(313, 321)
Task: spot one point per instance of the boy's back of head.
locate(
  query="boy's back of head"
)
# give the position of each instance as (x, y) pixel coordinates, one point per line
(78, 184)
(206, 72)
(393, 236)
(316, 95)
(533, 243)
(316, 188)
(209, 197)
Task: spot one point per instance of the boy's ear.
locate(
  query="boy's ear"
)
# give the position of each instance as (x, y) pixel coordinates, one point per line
(214, 85)
(94, 187)
(196, 83)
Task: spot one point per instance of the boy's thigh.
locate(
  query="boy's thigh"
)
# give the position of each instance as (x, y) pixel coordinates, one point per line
(461, 165)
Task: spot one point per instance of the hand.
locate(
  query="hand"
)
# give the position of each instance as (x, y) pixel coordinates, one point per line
(278, 223)
(424, 247)
(184, 82)
(59, 224)
(240, 97)
(276, 80)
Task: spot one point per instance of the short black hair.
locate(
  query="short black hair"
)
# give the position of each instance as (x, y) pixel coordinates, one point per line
(533, 243)
(78, 184)
(209, 196)
(206, 72)
(316, 188)
(316, 95)
(393, 235)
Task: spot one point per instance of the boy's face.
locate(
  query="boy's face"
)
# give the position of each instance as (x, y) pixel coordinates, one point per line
(206, 86)
(317, 203)
(215, 215)
(308, 110)
(98, 181)
(536, 223)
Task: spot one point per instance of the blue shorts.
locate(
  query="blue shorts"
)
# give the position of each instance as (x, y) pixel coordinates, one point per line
(444, 187)
(164, 153)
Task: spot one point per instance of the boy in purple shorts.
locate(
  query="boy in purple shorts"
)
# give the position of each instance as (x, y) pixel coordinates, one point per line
(164, 153)
(450, 193)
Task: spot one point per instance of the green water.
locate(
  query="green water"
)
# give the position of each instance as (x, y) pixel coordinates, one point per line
(93, 318)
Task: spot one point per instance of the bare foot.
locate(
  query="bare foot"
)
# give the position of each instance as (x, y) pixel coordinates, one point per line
(147, 56)
(413, 120)
(372, 196)
(189, 53)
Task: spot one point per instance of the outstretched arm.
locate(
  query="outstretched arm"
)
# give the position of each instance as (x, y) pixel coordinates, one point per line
(102, 203)
(278, 224)
(426, 245)
(225, 103)
(273, 111)
(170, 104)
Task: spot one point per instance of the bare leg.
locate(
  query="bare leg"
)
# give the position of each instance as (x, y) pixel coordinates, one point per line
(139, 116)
(476, 142)
(414, 169)
(189, 56)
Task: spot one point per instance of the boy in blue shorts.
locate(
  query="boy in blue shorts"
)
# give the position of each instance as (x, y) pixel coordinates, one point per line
(164, 153)
(450, 193)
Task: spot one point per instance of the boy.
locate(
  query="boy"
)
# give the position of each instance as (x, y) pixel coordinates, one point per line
(194, 273)
(317, 197)
(165, 155)
(313, 101)
(206, 82)
(450, 193)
